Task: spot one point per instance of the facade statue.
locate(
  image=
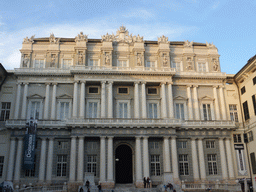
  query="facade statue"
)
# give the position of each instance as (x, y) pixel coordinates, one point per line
(189, 64)
(28, 40)
(163, 39)
(53, 39)
(107, 38)
(188, 44)
(80, 59)
(165, 61)
(215, 65)
(81, 37)
(139, 60)
(25, 61)
(107, 59)
(210, 45)
(53, 60)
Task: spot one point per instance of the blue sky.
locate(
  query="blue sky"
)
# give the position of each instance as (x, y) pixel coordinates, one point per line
(229, 24)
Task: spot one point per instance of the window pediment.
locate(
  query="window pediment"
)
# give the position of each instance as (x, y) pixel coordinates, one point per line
(180, 98)
(64, 96)
(206, 98)
(35, 96)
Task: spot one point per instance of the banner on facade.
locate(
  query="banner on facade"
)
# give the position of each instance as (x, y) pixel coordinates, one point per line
(239, 147)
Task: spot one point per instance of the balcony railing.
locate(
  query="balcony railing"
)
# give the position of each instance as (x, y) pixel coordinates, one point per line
(209, 124)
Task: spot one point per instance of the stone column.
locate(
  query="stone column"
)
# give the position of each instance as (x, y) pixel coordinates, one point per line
(190, 107)
(42, 161)
(18, 160)
(216, 102)
(222, 103)
(75, 99)
(17, 104)
(194, 159)
(145, 157)
(110, 160)
(110, 99)
(82, 99)
(223, 159)
(49, 160)
(229, 159)
(47, 99)
(54, 90)
(103, 99)
(163, 101)
(174, 159)
(196, 106)
(102, 159)
(138, 161)
(80, 164)
(170, 98)
(144, 100)
(167, 160)
(201, 157)
(72, 169)
(24, 102)
(11, 160)
(136, 100)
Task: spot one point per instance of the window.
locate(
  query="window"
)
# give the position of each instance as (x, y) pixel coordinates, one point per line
(122, 90)
(237, 138)
(254, 80)
(246, 110)
(61, 165)
(1, 165)
(122, 110)
(151, 64)
(93, 62)
(233, 113)
(253, 162)
(31, 172)
(93, 90)
(182, 144)
(152, 91)
(154, 145)
(34, 110)
(152, 110)
(207, 112)
(66, 63)
(254, 104)
(122, 63)
(155, 165)
(62, 145)
(176, 65)
(92, 164)
(64, 110)
(183, 164)
(201, 67)
(212, 164)
(210, 144)
(241, 160)
(243, 90)
(93, 109)
(5, 111)
(39, 63)
(179, 111)
(250, 136)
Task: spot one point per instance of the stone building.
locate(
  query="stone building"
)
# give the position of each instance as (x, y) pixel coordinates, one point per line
(121, 108)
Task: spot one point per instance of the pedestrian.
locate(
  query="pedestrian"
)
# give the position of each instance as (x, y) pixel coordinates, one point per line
(99, 187)
(145, 182)
(171, 186)
(174, 190)
(87, 184)
(81, 189)
(148, 182)
(165, 188)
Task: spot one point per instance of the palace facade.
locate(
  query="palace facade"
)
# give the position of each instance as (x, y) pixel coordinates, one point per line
(121, 108)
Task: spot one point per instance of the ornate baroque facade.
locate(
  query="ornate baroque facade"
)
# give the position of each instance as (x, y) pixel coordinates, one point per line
(120, 104)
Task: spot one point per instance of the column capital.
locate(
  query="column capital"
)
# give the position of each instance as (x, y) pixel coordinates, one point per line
(193, 138)
(173, 137)
(189, 86)
(102, 137)
(25, 83)
(200, 138)
(195, 86)
(145, 137)
(55, 84)
(73, 137)
(103, 82)
(143, 82)
(227, 138)
(222, 86)
(166, 137)
(76, 81)
(170, 83)
(215, 86)
(82, 81)
(110, 137)
(110, 82)
(51, 138)
(19, 83)
(43, 138)
(80, 137)
(221, 138)
(138, 137)
(136, 82)
(162, 83)
(20, 138)
(47, 83)
(13, 138)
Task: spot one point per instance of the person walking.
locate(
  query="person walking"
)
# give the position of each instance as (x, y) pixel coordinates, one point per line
(144, 182)
(148, 182)
(99, 187)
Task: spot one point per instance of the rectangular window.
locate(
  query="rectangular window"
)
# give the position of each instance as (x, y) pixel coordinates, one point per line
(207, 112)
(31, 172)
(243, 90)
(152, 91)
(201, 67)
(254, 80)
(253, 162)
(237, 138)
(152, 110)
(212, 164)
(122, 63)
(176, 65)
(250, 136)
(182, 144)
(93, 62)
(155, 165)
(154, 145)
(5, 111)
(183, 164)
(210, 144)
(151, 64)
(61, 165)
(179, 111)
(233, 113)
(62, 145)
(34, 110)
(1, 165)
(123, 109)
(254, 104)
(66, 63)
(64, 110)
(246, 110)
(93, 90)
(92, 164)
(93, 109)
(39, 63)
(122, 90)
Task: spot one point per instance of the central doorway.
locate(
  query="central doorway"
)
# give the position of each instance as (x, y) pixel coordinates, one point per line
(123, 161)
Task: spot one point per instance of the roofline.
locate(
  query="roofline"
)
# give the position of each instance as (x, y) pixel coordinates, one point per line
(245, 66)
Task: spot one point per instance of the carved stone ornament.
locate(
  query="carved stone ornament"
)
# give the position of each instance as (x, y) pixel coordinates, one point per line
(81, 37)
(215, 65)
(80, 58)
(28, 40)
(210, 45)
(107, 59)
(53, 60)
(165, 60)
(163, 39)
(53, 39)
(188, 44)
(139, 60)
(189, 63)
(25, 61)
(108, 38)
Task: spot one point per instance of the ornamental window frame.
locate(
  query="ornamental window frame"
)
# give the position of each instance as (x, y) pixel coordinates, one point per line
(208, 101)
(40, 100)
(62, 165)
(128, 102)
(64, 99)
(5, 111)
(93, 86)
(155, 165)
(121, 61)
(212, 164)
(157, 106)
(151, 64)
(153, 87)
(128, 90)
(39, 59)
(88, 108)
(233, 112)
(183, 165)
(174, 65)
(66, 59)
(93, 60)
(181, 100)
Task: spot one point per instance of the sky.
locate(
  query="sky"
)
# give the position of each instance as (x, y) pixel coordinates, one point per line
(228, 24)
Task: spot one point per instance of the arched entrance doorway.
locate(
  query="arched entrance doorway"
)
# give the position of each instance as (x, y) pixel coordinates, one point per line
(123, 164)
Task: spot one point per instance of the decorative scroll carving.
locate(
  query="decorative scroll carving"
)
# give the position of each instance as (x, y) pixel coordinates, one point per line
(53, 39)
(188, 44)
(28, 40)
(163, 39)
(81, 37)
(210, 45)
